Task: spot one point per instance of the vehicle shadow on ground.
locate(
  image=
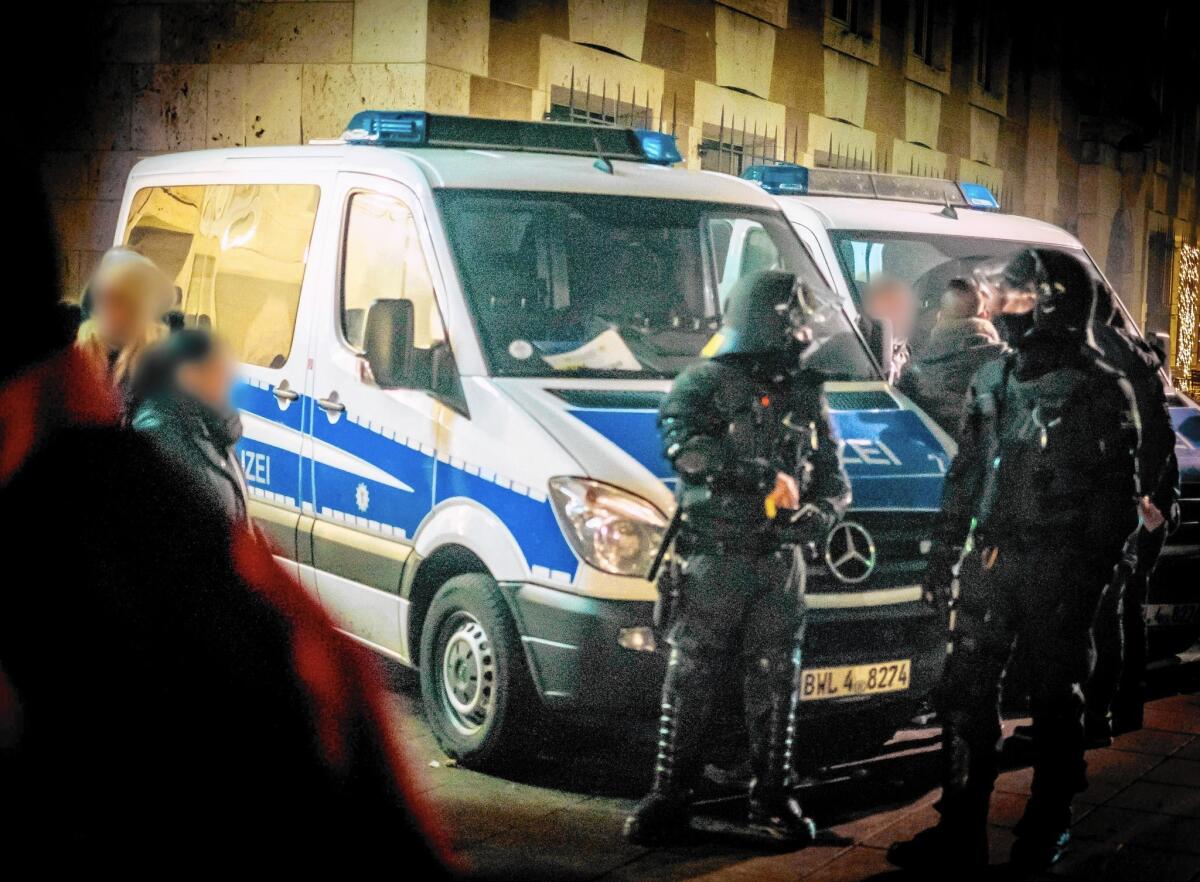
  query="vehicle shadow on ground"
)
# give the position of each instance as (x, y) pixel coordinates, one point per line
(618, 763)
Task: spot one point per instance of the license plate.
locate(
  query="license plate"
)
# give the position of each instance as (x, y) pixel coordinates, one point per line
(819, 683)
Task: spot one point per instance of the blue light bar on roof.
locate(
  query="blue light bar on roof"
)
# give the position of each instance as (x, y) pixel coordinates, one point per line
(405, 127)
(416, 128)
(788, 179)
(785, 179)
(978, 196)
(659, 147)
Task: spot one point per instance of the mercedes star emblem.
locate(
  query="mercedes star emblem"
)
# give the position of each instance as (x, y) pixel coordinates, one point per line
(850, 552)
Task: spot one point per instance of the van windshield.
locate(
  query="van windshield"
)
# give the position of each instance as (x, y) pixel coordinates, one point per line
(925, 262)
(612, 286)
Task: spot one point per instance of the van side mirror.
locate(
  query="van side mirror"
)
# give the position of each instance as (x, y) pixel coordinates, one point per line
(388, 342)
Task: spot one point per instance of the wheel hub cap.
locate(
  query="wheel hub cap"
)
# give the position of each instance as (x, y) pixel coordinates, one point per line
(468, 673)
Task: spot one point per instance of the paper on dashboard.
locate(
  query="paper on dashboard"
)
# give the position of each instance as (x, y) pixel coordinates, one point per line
(605, 352)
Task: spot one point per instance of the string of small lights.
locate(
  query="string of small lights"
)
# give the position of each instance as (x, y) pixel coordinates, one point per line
(1186, 354)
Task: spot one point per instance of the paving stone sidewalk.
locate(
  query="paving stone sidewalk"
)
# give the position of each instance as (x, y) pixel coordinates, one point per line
(1139, 819)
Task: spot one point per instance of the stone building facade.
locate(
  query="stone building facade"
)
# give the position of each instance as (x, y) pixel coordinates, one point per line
(911, 86)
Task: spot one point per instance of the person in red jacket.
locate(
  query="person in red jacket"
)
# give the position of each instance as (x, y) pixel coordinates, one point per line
(167, 692)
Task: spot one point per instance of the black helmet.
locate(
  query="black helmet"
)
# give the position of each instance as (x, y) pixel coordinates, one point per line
(1025, 270)
(1066, 294)
(758, 316)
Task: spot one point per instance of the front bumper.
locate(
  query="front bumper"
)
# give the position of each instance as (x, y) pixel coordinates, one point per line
(571, 646)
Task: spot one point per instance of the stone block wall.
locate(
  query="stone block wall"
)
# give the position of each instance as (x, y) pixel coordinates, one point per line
(191, 75)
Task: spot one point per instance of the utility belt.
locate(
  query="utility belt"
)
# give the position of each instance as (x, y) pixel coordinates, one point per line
(727, 539)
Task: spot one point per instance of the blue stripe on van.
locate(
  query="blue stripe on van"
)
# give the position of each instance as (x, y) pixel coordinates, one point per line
(531, 521)
(891, 457)
(268, 467)
(338, 489)
(634, 431)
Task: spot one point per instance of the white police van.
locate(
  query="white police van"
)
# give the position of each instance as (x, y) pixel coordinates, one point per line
(862, 225)
(454, 336)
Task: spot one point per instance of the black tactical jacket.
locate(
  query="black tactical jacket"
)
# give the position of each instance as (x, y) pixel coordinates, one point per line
(723, 427)
(1046, 452)
(1157, 470)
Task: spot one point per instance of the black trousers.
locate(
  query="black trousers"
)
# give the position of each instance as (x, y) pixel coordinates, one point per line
(743, 611)
(1120, 631)
(1047, 600)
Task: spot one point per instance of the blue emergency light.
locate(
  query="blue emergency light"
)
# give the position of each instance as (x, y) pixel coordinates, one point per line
(784, 179)
(789, 179)
(400, 127)
(659, 147)
(417, 128)
(979, 196)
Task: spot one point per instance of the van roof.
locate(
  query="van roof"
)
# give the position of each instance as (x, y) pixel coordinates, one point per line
(476, 169)
(847, 213)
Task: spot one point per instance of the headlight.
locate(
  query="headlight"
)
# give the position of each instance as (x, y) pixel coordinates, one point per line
(611, 529)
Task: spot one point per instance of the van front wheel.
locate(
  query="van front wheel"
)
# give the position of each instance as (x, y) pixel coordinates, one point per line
(476, 689)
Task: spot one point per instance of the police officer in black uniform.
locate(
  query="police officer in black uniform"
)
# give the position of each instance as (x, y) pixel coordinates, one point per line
(1046, 469)
(1116, 684)
(749, 435)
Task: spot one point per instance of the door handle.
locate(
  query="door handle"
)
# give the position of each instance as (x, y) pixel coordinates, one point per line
(331, 404)
(283, 393)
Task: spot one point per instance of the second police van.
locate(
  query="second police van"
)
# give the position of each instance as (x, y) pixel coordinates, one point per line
(454, 336)
(860, 226)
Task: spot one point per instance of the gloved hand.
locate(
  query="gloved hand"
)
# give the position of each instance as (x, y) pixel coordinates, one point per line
(938, 584)
(784, 495)
(808, 525)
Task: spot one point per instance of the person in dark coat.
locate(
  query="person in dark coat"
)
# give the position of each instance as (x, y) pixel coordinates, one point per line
(168, 695)
(1036, 508)
(963, 340)
(183, 404)
(891, 300)
(1115, 693)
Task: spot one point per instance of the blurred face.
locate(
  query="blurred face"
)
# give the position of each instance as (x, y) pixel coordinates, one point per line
(210, 380)
(119, 311)
(1000, 298)
(894, 301)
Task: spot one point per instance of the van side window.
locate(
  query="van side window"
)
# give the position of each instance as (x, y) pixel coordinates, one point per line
(753, 250)
(760, 252)
(383, 259)
(237, 253)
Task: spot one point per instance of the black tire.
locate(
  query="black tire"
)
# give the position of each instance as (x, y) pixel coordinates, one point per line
(477, 692)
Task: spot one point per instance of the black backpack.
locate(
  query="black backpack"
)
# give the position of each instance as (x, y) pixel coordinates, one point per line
(1062, 453)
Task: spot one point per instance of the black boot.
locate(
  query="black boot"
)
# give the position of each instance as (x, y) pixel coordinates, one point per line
(662, 816)
(1129, 711)
(1043, 834)
(1097, 731)
(781, 818)
(774, 810)
(1041, 849)
(958, 842)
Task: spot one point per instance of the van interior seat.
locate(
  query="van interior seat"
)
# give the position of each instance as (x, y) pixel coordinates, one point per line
(354, 325)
